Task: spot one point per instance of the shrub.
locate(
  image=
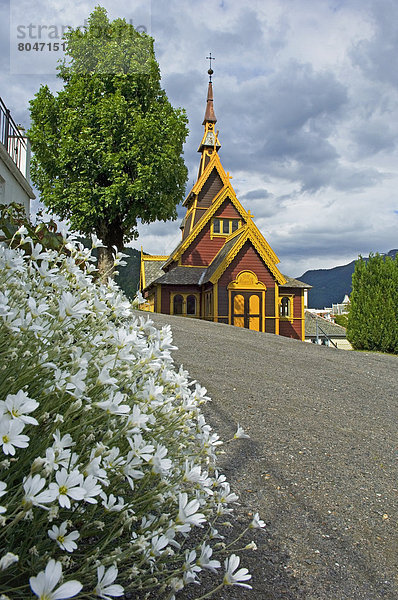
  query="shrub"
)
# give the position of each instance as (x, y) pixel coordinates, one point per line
(108, 464)
(373, 316)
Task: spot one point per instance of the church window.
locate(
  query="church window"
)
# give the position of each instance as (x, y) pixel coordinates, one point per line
(216, 226)
(224, 226)
(234, 225)
(184, 304)
(191, 305)
(285, 307)
(178, 301)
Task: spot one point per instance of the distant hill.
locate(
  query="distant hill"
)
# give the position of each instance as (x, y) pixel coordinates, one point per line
(330, 285)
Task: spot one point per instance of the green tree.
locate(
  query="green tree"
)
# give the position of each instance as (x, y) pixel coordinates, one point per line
(373, 316)
(107, 147)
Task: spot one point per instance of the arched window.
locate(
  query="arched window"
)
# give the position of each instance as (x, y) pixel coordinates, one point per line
(285, 307)
(177, 304)
(191, 305)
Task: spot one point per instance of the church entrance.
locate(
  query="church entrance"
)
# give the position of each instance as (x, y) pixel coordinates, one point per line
(247, 301)
(247, 310)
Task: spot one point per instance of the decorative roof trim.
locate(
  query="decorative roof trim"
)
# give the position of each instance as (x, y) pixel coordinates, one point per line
(222, 195)
(248, 235)
(213, 162)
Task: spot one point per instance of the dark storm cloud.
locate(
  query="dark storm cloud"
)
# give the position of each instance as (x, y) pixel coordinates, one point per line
(286, 122)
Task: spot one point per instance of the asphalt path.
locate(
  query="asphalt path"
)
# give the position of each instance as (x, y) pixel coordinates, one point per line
(320, 465)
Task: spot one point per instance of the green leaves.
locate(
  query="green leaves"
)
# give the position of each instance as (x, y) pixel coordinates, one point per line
(373, 316)
(107, 148)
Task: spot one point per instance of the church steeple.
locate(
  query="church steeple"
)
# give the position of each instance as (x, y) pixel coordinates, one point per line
(210, 116)
(210, 138)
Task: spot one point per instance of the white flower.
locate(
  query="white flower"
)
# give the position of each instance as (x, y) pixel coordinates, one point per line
(69, 306)
(257, 523)
(7, 560)
(10, 436)
(113, 406)
(104, 589)
(159, 463)
(187, 513)
(111, 504)
(65, 542)
(91, 489)
(16, 406)
(68, 485)
(96, 242)
(232, 578)
(3, 486)
(240, 433)
(43, 584)
(205, 560)
(33, 494)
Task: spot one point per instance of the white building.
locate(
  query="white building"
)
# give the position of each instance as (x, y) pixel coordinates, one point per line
(14, 162)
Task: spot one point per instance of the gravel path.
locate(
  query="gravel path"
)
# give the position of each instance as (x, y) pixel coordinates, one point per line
(321, 462)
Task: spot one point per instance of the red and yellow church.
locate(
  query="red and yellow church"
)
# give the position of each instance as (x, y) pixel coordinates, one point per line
(223, 269)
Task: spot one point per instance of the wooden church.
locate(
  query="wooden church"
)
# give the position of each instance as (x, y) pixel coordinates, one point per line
(223, 269)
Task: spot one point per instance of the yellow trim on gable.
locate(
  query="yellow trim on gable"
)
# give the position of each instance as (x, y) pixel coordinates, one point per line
(213, 162)
(224, 193)
(237, 247)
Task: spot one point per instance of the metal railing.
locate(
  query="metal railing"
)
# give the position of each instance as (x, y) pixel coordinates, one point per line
(11, 138)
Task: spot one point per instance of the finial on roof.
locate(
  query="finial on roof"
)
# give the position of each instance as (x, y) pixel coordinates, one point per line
(210, 71)
(210, 117)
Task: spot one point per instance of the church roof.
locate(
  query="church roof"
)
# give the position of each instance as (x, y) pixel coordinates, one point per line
(182, 276)
(151, 268)
(210, 116)
(295, 283)
(219, 258)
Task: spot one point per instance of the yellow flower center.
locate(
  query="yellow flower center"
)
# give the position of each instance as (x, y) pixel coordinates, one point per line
(61, 539)
(63, 489)
(5, 439)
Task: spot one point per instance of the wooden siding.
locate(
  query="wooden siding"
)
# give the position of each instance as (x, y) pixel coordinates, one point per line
(291, 330)
(248, 260)
(288, 328)
(203, 249)
(210, 189)
(227, 211)
(187, 227)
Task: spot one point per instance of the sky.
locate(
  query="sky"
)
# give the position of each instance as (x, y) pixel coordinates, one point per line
(306, 97)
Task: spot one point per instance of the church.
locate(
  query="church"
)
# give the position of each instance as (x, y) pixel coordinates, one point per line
(223, 269)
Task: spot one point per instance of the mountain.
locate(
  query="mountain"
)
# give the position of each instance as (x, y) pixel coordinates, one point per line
(330, 285)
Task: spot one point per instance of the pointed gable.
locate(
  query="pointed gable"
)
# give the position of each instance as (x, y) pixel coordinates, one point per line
(211, 188)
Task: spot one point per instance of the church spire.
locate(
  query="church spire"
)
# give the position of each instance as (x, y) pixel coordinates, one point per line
(210, 139)
(210, 116)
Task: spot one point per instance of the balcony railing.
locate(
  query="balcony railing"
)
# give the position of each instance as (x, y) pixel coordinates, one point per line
(12, 140)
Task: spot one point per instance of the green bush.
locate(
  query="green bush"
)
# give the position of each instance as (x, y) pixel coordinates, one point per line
(373, 317)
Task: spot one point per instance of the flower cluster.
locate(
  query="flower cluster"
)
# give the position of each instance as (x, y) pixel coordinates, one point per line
(106, 461)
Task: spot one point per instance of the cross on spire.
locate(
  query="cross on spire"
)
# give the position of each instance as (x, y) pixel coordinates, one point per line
(210, 71)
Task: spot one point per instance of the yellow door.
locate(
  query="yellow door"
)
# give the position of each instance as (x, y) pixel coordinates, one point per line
(246, 310)
(239, 311)
(254, 312)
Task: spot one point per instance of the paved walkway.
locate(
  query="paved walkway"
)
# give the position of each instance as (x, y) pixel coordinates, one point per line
(321, 464)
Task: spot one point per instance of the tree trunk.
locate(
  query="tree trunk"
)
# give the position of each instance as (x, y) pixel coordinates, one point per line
(105, 264)
(111, 235)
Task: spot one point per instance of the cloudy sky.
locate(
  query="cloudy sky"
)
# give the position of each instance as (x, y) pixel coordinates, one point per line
(306, 97)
